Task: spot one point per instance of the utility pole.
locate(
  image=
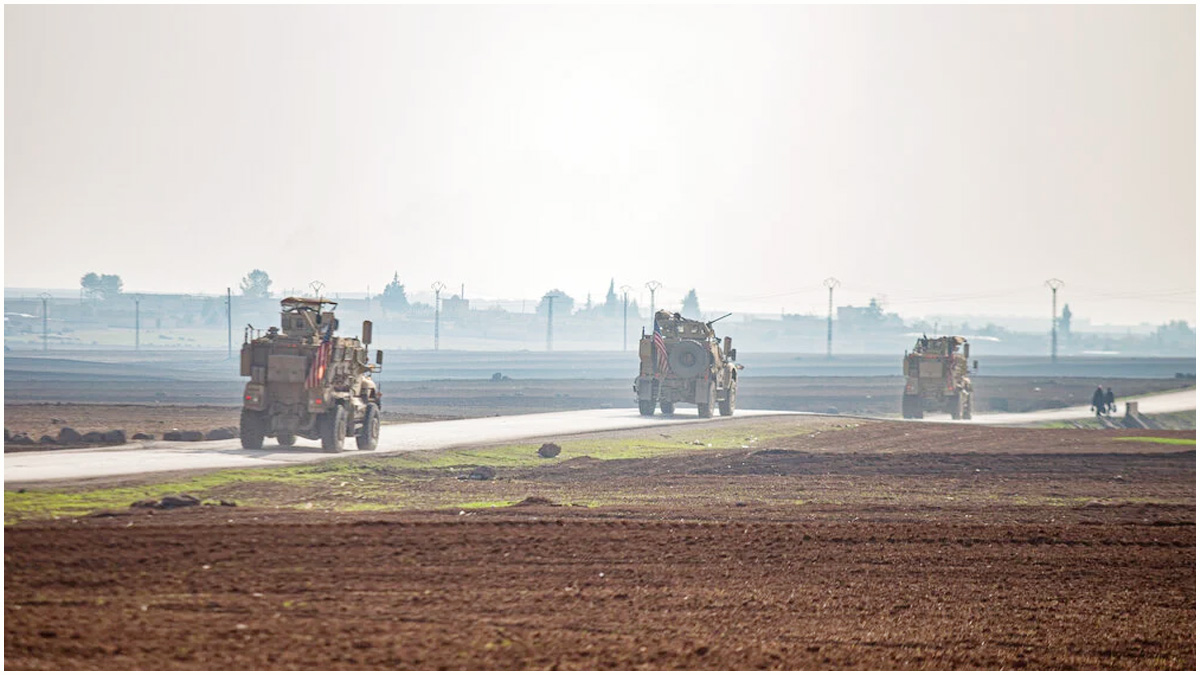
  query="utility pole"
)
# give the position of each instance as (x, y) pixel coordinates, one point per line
(653, 286)
(229, 318)
(45, 325)
(549, 298)
(831, 284)
(316, 287)
(625, 319)
(137, 323)
(437, 287)
(1054, 285)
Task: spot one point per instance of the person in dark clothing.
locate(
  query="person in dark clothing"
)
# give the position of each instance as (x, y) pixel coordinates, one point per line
(1110, 402)
(1098, 400)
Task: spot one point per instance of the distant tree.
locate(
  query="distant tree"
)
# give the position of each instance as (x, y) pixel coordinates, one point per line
(256, 284)
(588, 306)
(1065, 322)
(394, 299)
(1176, 333)
(612, 305)
(101, 286)
(562, 303)
(691, 305)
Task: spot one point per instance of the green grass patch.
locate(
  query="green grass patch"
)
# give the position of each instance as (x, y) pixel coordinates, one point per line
(392, 482)
(61, 503)
(1159, 439)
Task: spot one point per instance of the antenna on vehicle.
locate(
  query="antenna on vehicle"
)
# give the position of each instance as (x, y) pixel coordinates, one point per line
(710, 323)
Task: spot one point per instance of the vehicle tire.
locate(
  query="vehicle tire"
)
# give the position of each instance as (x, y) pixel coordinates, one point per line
(730, 403)
(911, 405)
(646, 408)
(668, 407)
(956, 406)
(286, 440)
(333, 429)
(252, 429)
(705, 410)
(368, 436)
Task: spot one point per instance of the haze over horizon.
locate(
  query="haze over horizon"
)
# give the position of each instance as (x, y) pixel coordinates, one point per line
(945, 159)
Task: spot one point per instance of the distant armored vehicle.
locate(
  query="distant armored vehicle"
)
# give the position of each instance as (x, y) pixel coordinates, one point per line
(306, 382)
(683, 362)
(937, 378)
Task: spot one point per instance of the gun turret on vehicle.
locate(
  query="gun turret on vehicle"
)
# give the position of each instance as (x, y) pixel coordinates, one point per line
(305, 381)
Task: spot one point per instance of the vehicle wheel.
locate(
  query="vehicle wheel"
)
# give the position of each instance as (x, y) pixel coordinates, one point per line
(668, 407)
(956, 407)
(333, 429)
(706, 409)
(368, 436)
(286, 440)
(911, 406)
(730, 403)
(646, 408)
(252, 429)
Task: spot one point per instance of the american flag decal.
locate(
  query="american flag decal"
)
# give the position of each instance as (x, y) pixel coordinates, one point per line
(661, 349)
(316, 373)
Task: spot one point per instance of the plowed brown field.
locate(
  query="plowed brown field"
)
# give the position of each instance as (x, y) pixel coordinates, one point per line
(883, 545)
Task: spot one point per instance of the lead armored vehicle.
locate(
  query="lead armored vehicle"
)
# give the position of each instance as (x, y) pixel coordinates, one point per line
(937, 378)
(682, 361)
(307, 382)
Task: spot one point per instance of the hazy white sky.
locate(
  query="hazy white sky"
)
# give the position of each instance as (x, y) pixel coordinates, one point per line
(949, 158)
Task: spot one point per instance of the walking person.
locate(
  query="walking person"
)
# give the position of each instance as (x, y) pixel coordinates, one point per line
(1098, 403)
(1110, 402)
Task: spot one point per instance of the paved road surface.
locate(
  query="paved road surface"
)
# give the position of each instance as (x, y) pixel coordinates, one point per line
(1151, 404)
(145, 457)
(148, 456)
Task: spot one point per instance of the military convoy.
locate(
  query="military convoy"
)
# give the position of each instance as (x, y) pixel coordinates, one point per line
(306, 382)
(937, 378)
(682, 361)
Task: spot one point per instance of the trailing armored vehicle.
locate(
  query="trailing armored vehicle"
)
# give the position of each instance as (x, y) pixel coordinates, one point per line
(937, 378)
(307, 382)
(682, 361)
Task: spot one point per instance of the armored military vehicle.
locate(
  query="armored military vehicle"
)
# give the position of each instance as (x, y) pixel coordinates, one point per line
(937, 378)
(682, 361)
(307, 382)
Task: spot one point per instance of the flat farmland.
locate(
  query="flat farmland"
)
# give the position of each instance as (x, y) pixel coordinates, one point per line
(736, 544)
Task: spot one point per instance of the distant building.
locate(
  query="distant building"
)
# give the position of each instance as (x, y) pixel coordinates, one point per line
(455, 306)
(869, 318)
